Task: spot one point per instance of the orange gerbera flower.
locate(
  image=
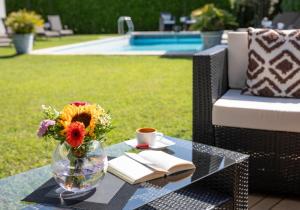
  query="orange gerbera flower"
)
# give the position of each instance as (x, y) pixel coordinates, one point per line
(75, 134)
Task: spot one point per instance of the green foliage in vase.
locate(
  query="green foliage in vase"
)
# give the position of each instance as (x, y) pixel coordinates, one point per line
(24, 22)
(211, 18)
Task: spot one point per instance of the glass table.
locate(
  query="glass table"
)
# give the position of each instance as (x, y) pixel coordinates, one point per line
(220, 179)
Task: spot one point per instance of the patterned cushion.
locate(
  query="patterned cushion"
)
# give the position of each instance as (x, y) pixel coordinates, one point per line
(274, 63)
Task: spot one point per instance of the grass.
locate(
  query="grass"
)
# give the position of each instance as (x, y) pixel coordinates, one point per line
(53, 42)
(138, 90)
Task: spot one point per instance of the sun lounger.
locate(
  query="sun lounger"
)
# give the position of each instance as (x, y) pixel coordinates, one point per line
(4, 41)
(40, 31)
(287, 18)
(4, 36)
(295, 24)
(56, 25)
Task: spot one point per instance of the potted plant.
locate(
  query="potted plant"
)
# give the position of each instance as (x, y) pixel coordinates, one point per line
(211, 21)
(23, 24)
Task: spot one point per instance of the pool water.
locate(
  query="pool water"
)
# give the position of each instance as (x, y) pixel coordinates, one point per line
(167, 43)
(139, 43)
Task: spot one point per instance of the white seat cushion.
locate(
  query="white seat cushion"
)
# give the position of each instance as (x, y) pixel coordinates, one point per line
(66, 32)
(237, 59)
(264, 113)
(169, 22)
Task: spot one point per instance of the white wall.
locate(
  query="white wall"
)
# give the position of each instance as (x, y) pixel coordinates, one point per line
(2, 15)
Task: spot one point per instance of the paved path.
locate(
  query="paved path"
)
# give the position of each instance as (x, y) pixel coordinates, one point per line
(265, 202)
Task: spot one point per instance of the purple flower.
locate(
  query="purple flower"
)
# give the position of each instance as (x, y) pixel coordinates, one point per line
(44, 127)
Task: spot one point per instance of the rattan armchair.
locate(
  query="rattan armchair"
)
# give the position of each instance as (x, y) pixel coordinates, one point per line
(166, 21)
(274, 155)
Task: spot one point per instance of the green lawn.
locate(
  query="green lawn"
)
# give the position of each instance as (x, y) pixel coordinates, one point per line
(52, 42)
(138, 91)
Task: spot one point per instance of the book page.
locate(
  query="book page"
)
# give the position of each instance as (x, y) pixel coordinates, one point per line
(128, 169)
(143, 161)
(165, 161)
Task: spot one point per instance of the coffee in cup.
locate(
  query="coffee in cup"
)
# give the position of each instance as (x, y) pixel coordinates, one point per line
(148, 136)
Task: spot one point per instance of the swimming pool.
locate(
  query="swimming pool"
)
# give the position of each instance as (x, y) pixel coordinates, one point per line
(138, 43)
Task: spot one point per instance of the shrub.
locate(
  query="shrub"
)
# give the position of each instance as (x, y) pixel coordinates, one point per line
(23, 21)
(251, 12)
(210, 18)
(290, 5)
(100, 16)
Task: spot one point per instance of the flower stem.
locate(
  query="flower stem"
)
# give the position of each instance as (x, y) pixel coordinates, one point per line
(76, 177)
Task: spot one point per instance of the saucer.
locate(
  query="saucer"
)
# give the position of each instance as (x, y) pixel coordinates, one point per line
(159, 144)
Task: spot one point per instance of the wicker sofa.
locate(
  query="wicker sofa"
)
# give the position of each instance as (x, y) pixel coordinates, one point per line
(225, 118)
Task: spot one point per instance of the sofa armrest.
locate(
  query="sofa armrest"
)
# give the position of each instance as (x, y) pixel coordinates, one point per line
(209, 84)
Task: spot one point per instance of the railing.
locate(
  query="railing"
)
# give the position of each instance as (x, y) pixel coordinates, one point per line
(128, 22)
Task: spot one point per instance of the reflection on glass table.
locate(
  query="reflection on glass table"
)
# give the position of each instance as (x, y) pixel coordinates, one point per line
(113, 193)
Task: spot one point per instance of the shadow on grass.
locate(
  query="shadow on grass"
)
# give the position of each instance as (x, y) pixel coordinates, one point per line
(9, 56)
(186, 57)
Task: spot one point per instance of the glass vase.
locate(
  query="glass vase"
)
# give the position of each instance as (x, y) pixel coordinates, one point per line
(79, 170)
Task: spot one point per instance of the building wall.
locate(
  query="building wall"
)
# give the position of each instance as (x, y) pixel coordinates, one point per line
(2, 15)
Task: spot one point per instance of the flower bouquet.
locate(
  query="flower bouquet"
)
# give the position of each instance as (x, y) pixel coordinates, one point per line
(79, 161)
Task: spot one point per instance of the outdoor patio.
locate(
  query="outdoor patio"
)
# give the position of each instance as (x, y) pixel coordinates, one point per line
(261, 202)
(187, 79)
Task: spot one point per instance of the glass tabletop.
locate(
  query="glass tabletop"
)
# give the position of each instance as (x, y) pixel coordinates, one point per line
(207, 159)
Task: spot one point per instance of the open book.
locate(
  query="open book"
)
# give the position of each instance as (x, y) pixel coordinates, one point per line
(146, 165)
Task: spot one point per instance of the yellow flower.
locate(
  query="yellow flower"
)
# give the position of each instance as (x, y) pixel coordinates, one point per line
(88, 115)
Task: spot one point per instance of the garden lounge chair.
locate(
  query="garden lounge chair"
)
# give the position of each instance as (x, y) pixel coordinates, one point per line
(56, 25)
(287, 18)
(295, 24)
(4, 41)
(223, 117)
(2, 28)
(187, 22)
(166, 21)
(40, 31)
(6, 32)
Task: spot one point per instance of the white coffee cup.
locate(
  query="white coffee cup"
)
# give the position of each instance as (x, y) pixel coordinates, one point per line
(148, 136)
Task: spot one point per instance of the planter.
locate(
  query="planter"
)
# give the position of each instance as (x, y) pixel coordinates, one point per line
(23, 43)
(79, 169)
(211, 38)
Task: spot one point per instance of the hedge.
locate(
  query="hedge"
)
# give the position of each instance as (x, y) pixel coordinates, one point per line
(100, 16)
(290, 5)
